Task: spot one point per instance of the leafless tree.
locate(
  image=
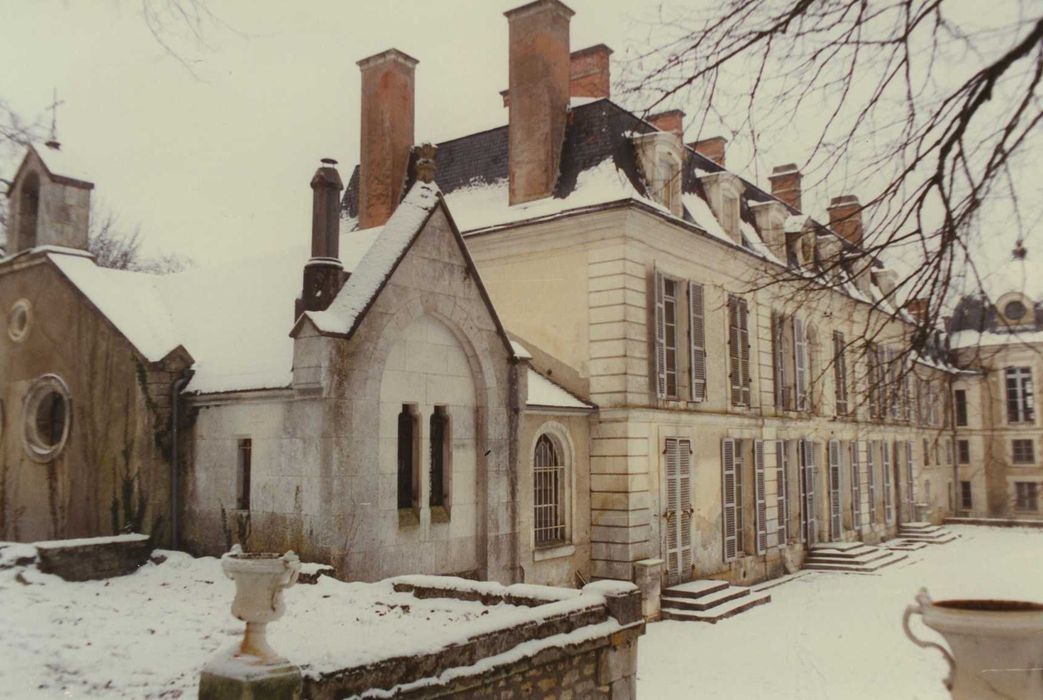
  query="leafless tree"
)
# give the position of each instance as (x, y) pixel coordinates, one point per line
(933, 104)
(115, 248)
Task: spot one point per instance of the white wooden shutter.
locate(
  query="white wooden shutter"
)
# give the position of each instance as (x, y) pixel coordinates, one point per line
(809, 492)
(835, 529)
(728, 497)
(781, 469)
(856, 486)
(697, 336)
(800, 363)
(910, 490)
(744, 350)
(840, 373)
(871, 479)
(734, 355)
(660, 335)
(673, 506)
(778, 360)
(760, 496)
(684, 477)
(889, 514)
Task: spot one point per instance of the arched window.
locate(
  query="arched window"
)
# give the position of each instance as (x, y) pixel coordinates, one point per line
(549, 489)
(46, 418)
(28, 211)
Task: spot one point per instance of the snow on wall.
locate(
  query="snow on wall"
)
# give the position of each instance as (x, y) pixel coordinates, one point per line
(544, 392)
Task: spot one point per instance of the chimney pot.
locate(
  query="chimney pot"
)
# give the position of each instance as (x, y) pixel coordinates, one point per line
(324, 274)
(388, 110)
(589, 74)
(425, 162)
(712, 148)
(785, 185)
(539, 96)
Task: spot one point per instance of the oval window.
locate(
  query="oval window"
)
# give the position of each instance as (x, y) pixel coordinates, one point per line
(46, 418)
(18, 320)
(1014, 310)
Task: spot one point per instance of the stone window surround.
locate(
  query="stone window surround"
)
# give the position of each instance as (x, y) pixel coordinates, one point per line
(19, 320)
(562, 439)
(1023, 451)
(1026, 496)
(35, 445)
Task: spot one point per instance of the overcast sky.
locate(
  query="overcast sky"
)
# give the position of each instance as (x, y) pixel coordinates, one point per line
(217, 159)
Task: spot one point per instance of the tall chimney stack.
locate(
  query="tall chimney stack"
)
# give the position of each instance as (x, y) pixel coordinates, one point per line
(785, 184)
(388, 106)
(539, 96)
(845, 218)
(712, 148)
(323, 273)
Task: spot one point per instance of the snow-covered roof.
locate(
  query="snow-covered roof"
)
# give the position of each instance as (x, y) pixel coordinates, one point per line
(544, 393)
(969, 338)
(62, 163)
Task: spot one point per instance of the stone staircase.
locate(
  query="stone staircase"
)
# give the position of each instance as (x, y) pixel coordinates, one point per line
(851, 557)
(925, 533)
(708, 601)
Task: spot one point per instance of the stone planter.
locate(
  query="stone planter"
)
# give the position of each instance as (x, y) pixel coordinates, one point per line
(259, 582)
(997, 645)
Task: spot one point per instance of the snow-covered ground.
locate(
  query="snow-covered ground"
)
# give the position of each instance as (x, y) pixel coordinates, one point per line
(148, 634)
(830, 635)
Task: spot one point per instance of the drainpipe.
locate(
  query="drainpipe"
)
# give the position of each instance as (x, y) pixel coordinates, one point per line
(175, 401)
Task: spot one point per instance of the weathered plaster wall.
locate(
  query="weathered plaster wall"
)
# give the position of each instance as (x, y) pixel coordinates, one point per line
(114, 421)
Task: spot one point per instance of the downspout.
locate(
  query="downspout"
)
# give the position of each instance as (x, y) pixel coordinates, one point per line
(175, 401)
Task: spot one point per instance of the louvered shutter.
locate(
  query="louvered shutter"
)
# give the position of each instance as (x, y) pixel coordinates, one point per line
(781, 468)
(760, 496)
(697, 335)
(734, 364)
(800, 364)
(744, 351)
(809, 492)
(856, 486)
(778, 360)
(840, 373)
(684, 477)
(660, 336)
(871, 479)
(888, 496)
(835, 529)
(910, 490)
(673, 506)
(728, 497)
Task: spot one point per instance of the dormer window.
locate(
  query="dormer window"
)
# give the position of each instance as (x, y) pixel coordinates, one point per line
(659, 156)
(1015, 311)
(723, 192)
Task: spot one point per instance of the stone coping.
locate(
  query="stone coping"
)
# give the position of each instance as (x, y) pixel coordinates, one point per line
(565, 619)
(93, 558)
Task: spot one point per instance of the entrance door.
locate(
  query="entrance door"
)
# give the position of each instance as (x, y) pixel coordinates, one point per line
(678, 510)
(808, 518)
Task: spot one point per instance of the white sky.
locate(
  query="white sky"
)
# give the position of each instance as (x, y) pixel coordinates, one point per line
(212, 163)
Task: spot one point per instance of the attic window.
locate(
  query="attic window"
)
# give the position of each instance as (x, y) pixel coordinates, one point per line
(668, 176)
(730, 213)
(46, 416)
(1014, 311)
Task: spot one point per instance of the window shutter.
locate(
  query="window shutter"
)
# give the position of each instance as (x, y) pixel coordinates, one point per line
(800, 360)
(781, 467)
(660, 336)
(734, 368)
(673, 504)
(910, 490)
(760, 497)
(744, 350)
(840, 373)
(871, 480)
(835, 529)
(856, 486)
(728, 497)
(809, 492)
(697, 334)
(777, 360)
(888, 496)
(684, 467)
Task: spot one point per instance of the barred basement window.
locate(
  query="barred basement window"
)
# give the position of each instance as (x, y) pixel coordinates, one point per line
(1023, 452)
(548, 493)
(242, 473)
(1026, 495)
(1020, 399)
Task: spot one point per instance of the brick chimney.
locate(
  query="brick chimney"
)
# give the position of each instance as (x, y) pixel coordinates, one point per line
(323, 273)
(785, 184)
(712, 148)
(845, 217)
(388, 105)
(918, 308)
(539, 90)
(589, 74)
(671, 120)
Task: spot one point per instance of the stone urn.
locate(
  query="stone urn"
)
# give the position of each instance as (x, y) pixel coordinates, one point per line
(997, 645)
(260, 580)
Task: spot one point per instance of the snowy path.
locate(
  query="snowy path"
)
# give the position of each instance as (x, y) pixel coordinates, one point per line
(829, 635)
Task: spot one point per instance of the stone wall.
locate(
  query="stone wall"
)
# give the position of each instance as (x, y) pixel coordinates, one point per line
(93, 559)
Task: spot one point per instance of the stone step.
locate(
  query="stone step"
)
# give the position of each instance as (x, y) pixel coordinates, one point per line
(695, 589)
(857, 568)
(707, 601)
(839, 546)
(919, 526)
(904, 544)
(848, 552)
(718, 612)
(826, 557)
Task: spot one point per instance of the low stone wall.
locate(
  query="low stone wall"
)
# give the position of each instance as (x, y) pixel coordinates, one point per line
(581, 646)
(93, 558)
